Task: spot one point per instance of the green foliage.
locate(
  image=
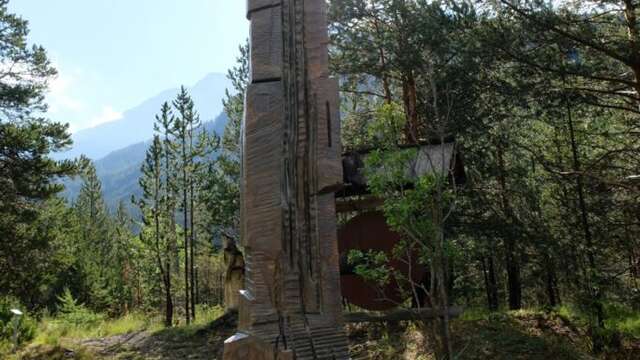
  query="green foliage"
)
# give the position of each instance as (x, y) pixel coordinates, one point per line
(623, 319)
(546, 120)
(544, 117)
(221, 185)
(409, 201)
(71, 312)
(28, 174)
(26, 324)
(101, 248)
(388, 125)
(371, 265)
(57, 331)
(414, 206)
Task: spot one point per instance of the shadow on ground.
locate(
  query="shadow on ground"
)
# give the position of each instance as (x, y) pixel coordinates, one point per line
(201, 342)
(500, 336)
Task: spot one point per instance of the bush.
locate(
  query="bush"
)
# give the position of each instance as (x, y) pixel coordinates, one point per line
(72, 313)
(26, 325)
(623, 319)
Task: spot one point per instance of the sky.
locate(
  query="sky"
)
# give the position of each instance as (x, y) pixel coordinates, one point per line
(113, 54)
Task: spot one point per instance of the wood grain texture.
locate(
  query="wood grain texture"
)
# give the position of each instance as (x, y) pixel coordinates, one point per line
(291, 168)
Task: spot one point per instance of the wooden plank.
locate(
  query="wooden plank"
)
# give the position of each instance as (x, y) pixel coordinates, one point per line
(400, 315)
(353, 205)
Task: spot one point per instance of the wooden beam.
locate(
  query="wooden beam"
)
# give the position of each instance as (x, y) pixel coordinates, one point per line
(400, 315)
(351, 205)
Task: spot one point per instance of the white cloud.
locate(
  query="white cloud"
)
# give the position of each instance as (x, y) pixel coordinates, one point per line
(69, 101)
(108, 114)
(59, 98)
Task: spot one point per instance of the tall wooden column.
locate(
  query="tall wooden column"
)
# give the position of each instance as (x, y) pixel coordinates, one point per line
(291, 167)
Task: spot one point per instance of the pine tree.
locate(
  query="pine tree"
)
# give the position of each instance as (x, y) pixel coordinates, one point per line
(95, 246)
(163, 126)
(221, 186)
(122, 264)
(153, 209)
(184, 124)
(28, 175)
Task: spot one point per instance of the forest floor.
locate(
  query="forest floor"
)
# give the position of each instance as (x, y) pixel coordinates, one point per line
(530, 335)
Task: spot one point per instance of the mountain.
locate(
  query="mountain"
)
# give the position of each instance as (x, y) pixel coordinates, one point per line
(136, 125)
(119, 171)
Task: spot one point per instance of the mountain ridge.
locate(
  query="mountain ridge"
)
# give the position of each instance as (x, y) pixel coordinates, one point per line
(119, 171)
(118, 148)
(136, 124)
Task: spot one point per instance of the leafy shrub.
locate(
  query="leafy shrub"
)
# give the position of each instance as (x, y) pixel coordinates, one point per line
(26, 325)
(73, 313)
(622, 318)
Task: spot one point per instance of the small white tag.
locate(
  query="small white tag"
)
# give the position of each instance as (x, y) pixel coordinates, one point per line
(237, 337)
(247, 295)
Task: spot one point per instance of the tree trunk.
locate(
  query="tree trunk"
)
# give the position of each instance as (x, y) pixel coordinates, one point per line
(185, 214)
(593, 287)
(440, 270)
(491, 286)
(551, 284)
(197, 295)
(168, 320)
(192, 238)
(513, 277)
(443, 296)
(514, 284)
(634, 45)
(409, 95)
(386, 87)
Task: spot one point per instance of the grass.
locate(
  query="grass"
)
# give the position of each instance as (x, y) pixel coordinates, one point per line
(532, 334)
(205, 316)
(522, 334)
(55, 335)
(52, 331)
(477, 335)
(618, 318)
(565, 329)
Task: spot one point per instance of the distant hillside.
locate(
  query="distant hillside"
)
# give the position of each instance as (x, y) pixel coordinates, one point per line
(119, 171)
(136, 125)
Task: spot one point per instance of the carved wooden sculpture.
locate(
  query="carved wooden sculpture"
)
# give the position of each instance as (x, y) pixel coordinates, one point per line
(291, 304)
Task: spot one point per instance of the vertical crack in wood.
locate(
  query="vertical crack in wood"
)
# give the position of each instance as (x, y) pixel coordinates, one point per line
(290, 166)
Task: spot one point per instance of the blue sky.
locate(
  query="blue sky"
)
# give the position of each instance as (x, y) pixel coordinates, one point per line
(113, 54)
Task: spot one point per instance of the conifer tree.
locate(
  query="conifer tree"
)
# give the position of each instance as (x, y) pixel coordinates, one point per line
(153, 210)
(221, 187)
(122, 264)
(185, 121)
(94, 247)
(163, 126)
(28, 174)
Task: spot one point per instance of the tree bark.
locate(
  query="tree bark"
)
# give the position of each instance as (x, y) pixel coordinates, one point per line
(634, 45)
(192, 232)
(514, 284)
(551, 284)
(168, 298)
(491, 286)
(409, 95)
(386, 87)
(185, 214)
(591, 281)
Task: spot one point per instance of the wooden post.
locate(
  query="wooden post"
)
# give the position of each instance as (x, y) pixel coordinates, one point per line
(291, 168)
